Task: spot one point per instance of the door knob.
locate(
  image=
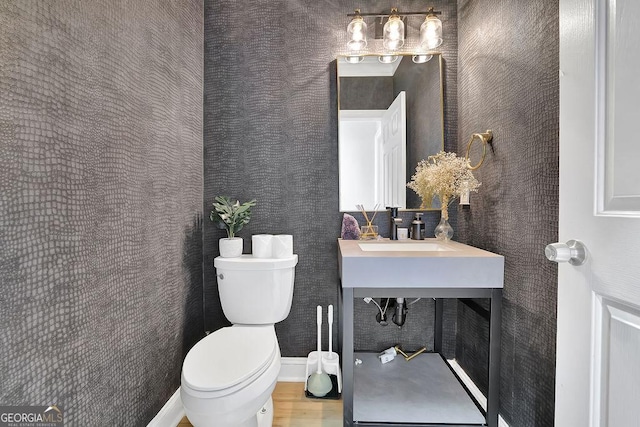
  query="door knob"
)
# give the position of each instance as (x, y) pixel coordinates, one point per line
(573, 252)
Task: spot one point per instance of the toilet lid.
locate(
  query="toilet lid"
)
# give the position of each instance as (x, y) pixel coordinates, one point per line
(228, 357)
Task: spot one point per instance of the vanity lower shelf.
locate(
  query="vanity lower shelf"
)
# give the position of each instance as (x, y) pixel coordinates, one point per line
(423, 391)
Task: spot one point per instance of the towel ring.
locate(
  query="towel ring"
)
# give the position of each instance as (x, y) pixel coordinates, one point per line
(485, 138)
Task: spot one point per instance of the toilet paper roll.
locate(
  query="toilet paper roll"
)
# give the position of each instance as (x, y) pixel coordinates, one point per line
(262, 245)
(283, 246)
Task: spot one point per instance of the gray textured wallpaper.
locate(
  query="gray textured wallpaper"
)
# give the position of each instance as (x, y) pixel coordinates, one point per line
(100, 204)
(425, 131)
(508, 82)
(366, 93)
(270, 133)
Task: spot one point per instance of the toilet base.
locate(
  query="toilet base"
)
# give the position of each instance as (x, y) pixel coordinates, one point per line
(265, 415)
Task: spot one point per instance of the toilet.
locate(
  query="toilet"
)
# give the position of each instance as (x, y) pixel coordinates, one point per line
(228, 376)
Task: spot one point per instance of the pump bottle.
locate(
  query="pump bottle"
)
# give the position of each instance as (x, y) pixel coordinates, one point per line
(417, 227)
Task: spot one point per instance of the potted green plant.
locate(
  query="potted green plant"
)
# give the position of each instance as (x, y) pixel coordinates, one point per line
(231, 216)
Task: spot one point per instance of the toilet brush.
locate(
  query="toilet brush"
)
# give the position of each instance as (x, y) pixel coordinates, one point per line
(330, 320)
(330, 359)
(319, 383)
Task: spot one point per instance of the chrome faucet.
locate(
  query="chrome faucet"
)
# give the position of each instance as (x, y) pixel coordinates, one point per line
(393, 222)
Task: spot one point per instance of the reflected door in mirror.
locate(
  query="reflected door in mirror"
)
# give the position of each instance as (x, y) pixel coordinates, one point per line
(373, 156)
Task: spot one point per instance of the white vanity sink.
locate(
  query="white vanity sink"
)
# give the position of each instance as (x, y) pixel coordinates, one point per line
(410, 246)
(428, 263)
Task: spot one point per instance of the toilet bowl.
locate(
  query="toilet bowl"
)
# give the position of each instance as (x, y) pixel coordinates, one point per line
(228, 376)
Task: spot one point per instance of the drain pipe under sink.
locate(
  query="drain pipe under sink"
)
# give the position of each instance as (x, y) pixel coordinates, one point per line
(400, 310)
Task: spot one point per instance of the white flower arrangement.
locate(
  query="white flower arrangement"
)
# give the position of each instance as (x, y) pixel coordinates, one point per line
(444, 175)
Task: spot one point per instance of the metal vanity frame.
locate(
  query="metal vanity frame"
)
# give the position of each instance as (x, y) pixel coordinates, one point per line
(494, 315)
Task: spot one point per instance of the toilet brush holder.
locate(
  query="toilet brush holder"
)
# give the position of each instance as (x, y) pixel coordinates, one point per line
(332, 369)
(330, 363)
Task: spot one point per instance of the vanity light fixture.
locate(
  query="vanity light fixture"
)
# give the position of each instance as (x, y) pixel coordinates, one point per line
(357, 32)
(388, 59)
(354, 59)
(393, 35)
(431, 31)
(393, 32)
(421, 58)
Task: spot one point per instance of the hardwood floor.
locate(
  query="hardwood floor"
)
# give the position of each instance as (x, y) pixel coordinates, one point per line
(293, 409)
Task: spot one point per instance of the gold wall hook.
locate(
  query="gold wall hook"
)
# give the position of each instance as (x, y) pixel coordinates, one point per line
(485, 138)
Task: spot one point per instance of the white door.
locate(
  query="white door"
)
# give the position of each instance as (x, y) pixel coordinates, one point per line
(394, 152)
(598, 347)
(358, 133)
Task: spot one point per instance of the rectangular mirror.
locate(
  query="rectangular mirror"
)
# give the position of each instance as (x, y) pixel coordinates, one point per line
(390, 116)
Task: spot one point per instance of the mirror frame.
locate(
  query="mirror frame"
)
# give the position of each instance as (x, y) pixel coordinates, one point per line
(441, 70)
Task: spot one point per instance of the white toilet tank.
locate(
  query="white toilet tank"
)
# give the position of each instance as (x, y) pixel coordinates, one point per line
(255, 291)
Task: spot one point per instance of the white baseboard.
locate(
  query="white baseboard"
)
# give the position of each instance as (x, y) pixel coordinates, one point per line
(171, 413)
(293, 370)
(475, 391)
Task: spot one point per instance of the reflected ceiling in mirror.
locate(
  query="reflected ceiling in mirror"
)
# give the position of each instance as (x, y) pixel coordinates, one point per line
(391, 116)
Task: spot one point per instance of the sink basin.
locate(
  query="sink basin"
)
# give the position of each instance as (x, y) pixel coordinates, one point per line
(428, 263)
(403, 247)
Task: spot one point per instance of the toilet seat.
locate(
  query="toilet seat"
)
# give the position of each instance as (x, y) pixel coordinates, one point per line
(229, 358)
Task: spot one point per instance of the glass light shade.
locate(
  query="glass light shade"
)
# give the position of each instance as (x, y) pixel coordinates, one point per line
(421, 58)
(388, 59)
(354, 59)
(357, 32)
(393, 33)
(431, 32)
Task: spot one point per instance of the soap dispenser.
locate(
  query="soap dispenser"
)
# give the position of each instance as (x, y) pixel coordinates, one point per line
(417, 227)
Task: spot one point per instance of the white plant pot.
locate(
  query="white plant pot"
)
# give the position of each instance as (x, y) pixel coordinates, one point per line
(230, 247)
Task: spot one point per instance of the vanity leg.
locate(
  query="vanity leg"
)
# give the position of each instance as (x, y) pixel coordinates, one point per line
(347, 356)
(437, 333)
(340, 321)
(493, 401)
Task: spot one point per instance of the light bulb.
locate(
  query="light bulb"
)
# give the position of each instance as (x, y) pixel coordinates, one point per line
(357, 32)
(393, 31)
(421, 58)
(431, 32)
(388, 59)
(354, 59)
